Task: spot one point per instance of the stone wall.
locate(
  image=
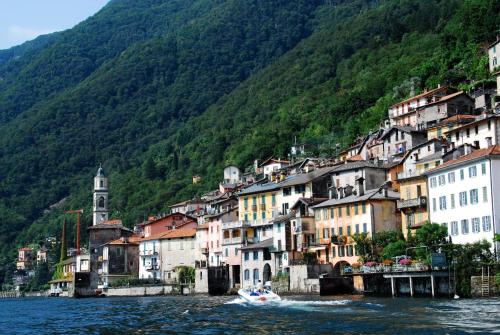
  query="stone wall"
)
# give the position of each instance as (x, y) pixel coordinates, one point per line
(299, 281)
(145, 291)
(476, 286)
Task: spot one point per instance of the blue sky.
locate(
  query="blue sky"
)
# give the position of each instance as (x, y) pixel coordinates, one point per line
(23, 20)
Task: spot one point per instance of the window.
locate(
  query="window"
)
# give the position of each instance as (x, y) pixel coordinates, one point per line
(254, 216)
(486, 223)
(278, 227)
(325, 213)
(476, 130)
(485, 194)
(467, 133)
(363, 208)
(472, 171)
(341, 231)
(462, 175)
(245, 202)
(254, 201)
(102, 183)
(300, 189)
(287, 191)
(434, 204)
(462, 199)
(340, 212)
(474, 196)
(263, 215)
(255, 255)
(433, 182)
(101, 202)
(348, 230)
(341, 251)
(333, 231)
(483, 169)
(247, 275)
(226, 252)
(255, 276)
(348, 210)
(236, 251)
(326, 233)
(454, 228)
(317, 215)
(442, 203)
(332, 213)
(247, 256)
(365, 230)
(451, 177)
(465, 226)
(442, 180)
(246, 217)
(475, 225)
(356, 228)
(273, 200)
(350, 250)
(263, 199)
(334, 251)
(356, 209)
(452, 201)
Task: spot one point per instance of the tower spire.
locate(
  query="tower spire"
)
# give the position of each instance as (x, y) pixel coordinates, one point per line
(100, 206)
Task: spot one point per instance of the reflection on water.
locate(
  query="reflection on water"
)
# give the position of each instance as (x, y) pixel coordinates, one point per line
(230, 315)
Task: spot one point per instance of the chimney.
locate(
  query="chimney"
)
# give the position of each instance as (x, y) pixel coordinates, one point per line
(340, 192)
(360, 189)
(488, 142)
(467, 149)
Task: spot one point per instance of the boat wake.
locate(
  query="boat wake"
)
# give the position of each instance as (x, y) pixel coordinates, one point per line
(290, 303)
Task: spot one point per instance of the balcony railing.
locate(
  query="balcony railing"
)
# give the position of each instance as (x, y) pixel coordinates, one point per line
(254, 208)
(415, 202)
(262, 207)
(235, 224)
(231, 240)
(410, 173)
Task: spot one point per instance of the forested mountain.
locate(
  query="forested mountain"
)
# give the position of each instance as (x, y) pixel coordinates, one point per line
(157, 91)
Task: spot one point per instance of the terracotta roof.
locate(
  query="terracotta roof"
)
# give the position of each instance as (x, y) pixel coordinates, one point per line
(174, 233)
(355, 158)
(421, 95)
(459, 118)
(446, 98)
(493, 150)
(131, 240)
(374, 194)
(25, 249)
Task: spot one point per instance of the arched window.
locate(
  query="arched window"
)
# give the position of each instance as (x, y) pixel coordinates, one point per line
(247, 275)
(255, 276)
(101, 202)
(102, 183)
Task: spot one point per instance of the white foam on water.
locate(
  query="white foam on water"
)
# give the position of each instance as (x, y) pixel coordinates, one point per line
(290, 303)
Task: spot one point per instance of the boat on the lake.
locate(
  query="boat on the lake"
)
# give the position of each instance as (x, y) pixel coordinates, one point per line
(258, 294)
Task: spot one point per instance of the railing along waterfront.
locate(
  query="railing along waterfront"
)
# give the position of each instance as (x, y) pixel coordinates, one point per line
(381, 268)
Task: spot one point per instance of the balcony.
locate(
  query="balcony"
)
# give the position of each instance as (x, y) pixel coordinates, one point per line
(235, 224)
(152, 267)
(262, 207)
(416, 202)
(231, 240)
(410, 174)
(254, 208)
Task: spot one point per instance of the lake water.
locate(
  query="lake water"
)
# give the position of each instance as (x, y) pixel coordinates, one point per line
(229, 315)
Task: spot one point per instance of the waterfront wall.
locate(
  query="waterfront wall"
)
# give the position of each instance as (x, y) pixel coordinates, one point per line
(140, 291)
(477, 290)
(300, 281)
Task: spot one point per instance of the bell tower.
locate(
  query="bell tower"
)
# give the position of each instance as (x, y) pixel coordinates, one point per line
(100, 207)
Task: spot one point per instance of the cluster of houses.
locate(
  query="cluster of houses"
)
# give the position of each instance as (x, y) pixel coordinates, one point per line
(435, 159)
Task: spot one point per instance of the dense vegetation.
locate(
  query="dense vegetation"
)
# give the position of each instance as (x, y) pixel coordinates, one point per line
(160, 90)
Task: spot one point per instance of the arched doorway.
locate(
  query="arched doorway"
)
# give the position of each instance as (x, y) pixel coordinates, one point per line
(266, 274)
(337, 269)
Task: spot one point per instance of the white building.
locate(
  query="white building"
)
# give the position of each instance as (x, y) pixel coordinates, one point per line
(482, 133)
(257, 263)
(100, 205)
(464, 195)
(149, 257)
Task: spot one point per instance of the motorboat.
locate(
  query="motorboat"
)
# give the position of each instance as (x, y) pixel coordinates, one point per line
(258, 295)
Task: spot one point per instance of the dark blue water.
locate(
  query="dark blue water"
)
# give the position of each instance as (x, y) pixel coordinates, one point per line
(228, 315)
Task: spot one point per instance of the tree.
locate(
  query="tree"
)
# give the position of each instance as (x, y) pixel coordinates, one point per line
(364, 247)
(393, 249)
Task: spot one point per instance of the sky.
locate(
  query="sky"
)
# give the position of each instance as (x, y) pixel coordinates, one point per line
(23, 20)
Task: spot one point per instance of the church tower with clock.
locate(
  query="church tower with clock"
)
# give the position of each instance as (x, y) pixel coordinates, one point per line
(100, 207)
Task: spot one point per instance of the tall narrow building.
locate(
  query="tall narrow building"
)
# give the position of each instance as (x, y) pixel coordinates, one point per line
(100, 197)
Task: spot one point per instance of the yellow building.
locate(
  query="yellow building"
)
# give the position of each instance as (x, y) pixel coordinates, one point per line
(413, 203)
(337, 220)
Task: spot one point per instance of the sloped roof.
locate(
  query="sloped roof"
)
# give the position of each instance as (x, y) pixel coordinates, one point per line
(374, 194)
(260, 245)
(477, 154)
(25, 249)
(296, 179)
(447, 98)
(174, 233)
(459, 118)
(355, 165)
(479, 120)
(422, 95)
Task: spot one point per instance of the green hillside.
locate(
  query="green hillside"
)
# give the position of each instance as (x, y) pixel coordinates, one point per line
(158, 91)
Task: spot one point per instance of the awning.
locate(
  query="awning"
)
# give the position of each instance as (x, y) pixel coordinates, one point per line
(316, 248)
